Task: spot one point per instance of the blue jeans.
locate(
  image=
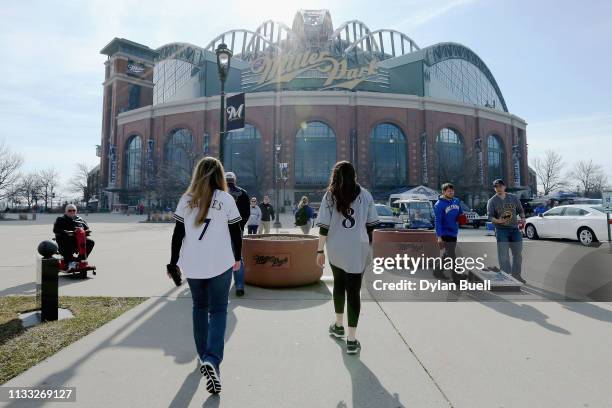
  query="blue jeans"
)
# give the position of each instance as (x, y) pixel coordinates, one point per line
(509, 239)
(210, 315)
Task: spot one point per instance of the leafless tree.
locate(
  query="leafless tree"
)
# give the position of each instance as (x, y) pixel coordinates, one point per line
(590, 177)
(10, 163)
(29, 188)
(548, 171)
(49, 180)
(78, 182)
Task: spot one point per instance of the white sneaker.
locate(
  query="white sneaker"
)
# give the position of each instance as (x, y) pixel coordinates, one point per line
(72, 265)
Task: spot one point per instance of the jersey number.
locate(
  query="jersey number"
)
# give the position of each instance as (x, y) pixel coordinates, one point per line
(206, 222)
(349, 222)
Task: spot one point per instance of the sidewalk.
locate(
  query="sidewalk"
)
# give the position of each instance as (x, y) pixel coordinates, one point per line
(278, 354)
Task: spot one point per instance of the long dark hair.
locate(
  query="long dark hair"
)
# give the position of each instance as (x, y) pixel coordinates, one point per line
(207, 177)
(343, 186)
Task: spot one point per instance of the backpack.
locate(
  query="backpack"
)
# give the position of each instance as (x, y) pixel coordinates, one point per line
(301, 216)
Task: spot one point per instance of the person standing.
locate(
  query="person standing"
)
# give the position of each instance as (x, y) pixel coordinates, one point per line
(241, 198)
(267, 215)
(206, 247)
(447, 211)
(254, 217)
(303, 215)
(346, 219)
(502, 210)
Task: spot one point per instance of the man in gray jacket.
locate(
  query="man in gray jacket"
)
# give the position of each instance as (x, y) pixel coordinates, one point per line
(502, 210)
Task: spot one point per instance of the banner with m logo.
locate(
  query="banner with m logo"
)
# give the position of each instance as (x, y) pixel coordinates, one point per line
(235, 111)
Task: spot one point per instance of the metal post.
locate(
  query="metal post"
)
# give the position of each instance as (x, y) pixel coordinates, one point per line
(277, 223)
(608, 221)
(222, 125)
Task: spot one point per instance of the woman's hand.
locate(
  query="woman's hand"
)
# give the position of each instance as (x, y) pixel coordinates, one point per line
(321, 260)
(236, 266)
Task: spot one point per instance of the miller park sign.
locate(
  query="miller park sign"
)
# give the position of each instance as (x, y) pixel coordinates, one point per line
(322, 66)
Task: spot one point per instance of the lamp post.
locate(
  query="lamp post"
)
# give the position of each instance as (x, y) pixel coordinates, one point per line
(224, 56)
(277, 223)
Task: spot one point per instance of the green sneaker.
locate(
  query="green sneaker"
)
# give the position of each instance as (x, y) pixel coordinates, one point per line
(336, 331)
(353, 347)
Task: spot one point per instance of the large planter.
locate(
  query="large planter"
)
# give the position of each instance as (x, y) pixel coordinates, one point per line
(414, 243)
(280, 261)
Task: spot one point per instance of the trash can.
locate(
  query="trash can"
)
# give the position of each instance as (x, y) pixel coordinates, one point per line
(47, 299)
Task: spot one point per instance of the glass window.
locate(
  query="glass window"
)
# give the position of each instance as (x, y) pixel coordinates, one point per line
(450, 152)
(574, 212)
(388, 156)
(495, 158)
(242, 155)
(133, 163)
(384, 211)
(179, 154)
(555, 211)
(598, 208)
(315, 154)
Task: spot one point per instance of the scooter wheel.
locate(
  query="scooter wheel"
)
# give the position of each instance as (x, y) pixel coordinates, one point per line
(83, 274)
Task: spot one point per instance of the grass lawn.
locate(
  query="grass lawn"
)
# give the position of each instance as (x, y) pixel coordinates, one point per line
(21, 348)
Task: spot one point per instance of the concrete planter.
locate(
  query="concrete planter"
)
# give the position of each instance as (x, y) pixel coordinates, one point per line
(414, 243)
(280, 261)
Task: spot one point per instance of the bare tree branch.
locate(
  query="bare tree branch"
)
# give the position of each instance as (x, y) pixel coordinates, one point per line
(590, 177)
(548, 171)
(10, 163)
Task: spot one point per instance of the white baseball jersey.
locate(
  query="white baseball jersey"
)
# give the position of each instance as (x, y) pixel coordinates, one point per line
(347, 237)
(207, 248)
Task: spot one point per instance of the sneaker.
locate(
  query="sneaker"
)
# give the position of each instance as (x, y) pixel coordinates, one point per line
(519, 278)
(240, 292)
(213, 385)
(353, 347)
(336, 331)
(72, 265)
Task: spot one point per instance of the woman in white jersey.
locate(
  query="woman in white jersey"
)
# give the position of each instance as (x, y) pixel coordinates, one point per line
(206, 246)
(346, 219)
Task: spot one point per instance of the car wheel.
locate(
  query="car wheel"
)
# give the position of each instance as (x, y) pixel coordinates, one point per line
(531, 232)
(586, 236)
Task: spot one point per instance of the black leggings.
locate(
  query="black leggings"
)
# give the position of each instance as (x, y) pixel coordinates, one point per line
(347, 285)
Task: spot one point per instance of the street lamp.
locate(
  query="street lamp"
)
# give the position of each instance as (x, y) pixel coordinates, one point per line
(224, 56)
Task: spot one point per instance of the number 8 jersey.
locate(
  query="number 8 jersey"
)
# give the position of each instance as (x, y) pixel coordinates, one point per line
(207, 248)
(347, 237)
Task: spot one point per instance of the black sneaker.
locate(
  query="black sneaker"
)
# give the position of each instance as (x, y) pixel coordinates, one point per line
(213, 385)
(240, 292)
(519, 278)
(353, 347)
(336, 331)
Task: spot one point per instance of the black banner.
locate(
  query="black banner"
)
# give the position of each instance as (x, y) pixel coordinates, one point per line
(235, 111)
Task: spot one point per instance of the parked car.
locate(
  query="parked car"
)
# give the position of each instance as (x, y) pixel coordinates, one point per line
(474, 219)
(585, 223)
(386, 217)
(416, 214)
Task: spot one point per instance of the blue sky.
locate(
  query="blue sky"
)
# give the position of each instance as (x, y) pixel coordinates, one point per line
(551, 60)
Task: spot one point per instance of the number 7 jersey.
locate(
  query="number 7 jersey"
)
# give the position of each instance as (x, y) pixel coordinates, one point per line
(207, 248)
(347, 237)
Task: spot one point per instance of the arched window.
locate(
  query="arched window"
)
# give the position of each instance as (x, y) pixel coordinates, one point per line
(242, 155)
(315, 154)
(133, 163)
(180, 154)
(495, 158)
(450, 153)
(388, 156)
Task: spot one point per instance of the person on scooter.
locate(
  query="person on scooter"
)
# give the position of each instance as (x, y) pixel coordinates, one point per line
(64, 228)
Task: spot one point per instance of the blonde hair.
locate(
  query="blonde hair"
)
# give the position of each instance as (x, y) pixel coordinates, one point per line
(207, 177)
(303, 201)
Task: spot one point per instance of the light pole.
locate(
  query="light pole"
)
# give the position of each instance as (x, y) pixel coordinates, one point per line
(224, 56)
(277, 223)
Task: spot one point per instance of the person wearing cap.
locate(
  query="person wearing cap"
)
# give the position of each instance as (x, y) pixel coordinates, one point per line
(243, 203)
(447, 211)
(502, 210)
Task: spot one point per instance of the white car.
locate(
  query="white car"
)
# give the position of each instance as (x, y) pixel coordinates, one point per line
(582, 222)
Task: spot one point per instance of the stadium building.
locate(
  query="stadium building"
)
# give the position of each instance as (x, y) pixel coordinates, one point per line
(315, 94)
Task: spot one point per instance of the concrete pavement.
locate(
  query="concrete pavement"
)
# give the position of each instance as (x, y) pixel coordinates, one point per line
(505, 352)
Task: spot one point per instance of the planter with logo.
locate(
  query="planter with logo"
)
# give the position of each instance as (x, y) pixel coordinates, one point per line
(280, 261)
(414, 243)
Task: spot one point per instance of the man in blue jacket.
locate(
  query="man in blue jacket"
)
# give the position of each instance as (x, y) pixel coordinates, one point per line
(446, 211)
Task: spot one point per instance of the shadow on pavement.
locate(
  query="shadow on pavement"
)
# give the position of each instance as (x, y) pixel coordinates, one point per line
(367, 391)
(24, 289)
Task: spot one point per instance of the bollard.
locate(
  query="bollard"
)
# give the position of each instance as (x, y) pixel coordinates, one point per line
(47, 299)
